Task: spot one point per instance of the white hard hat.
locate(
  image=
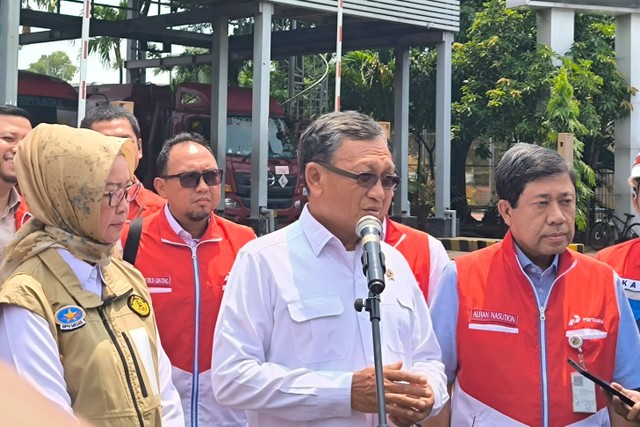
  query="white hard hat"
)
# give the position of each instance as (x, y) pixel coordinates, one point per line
(635, 171)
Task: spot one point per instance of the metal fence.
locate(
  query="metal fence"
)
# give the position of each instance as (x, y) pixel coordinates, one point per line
(479, 194)
(604, 195)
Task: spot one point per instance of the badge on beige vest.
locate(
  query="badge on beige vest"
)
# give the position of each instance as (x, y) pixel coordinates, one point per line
(139, 305)
(70, 317)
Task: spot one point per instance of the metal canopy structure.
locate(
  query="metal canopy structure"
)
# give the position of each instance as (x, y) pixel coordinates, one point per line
(357, 35)
(368, 24)
(364, 27)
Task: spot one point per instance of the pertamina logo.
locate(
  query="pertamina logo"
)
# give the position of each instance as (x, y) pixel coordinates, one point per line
(575, 319)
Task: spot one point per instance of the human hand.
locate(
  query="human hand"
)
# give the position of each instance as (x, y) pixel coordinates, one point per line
(630, 414)
(408, 396)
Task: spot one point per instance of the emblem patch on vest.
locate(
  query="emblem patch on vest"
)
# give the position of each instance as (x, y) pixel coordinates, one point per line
(70, 317)
(139, 305)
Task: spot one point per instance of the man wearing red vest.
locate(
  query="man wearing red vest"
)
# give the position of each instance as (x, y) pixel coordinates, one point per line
(625, 257)
(425, 254)
(509, 316)
(15, 123)
(112, 120)
(185, 254)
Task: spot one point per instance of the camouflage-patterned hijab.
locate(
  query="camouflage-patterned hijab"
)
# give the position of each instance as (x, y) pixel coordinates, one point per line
(62, 173)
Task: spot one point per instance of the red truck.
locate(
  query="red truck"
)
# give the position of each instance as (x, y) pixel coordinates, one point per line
(47, 99)
(191, 111)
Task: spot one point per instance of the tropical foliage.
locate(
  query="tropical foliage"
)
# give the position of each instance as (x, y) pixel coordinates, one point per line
(109, 48)
(509, 89)
(57, 64)
(506, 88)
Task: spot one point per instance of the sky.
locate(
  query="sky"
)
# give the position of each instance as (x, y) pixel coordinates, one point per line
(96, 72)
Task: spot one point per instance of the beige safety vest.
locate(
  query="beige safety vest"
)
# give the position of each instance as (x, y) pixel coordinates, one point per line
(111, 361)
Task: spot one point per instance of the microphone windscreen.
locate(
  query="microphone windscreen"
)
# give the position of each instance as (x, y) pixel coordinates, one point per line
(368, 221)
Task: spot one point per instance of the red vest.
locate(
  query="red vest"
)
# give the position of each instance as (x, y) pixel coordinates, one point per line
(145, 204)
(501, 361)
(414, 245)
(21, 214)
(169, 269)
(624, 258)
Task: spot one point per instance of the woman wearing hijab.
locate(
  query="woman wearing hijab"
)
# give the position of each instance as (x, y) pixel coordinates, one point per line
(75, 319)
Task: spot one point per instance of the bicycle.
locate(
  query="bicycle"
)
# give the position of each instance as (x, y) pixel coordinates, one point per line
(611, 229)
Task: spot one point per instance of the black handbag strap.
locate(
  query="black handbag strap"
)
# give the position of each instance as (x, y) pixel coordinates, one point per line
(130, 251)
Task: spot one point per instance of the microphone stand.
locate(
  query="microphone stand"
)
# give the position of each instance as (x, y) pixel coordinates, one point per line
(372, 305)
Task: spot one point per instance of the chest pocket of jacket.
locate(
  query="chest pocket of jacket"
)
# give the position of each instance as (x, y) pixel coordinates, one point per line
(397, 315)
(315, 329)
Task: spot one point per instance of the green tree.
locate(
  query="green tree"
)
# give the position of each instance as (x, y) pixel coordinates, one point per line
(368, 83)
(197, 73)
(563, 114)
(505, 89)
(108, 48)
(608, 98)
(49, 5)
(56, 64)
(240, 71)
(503, 81)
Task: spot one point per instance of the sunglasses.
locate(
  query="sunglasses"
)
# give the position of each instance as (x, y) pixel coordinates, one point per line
(192, 179)
(365, 179)
(129, 193)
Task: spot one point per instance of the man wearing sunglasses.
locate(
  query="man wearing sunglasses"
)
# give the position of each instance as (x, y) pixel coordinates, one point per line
(112, 120)
(185, 254)
(289, 348)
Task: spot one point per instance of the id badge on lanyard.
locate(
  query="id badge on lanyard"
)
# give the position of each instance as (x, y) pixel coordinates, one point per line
(583, 391)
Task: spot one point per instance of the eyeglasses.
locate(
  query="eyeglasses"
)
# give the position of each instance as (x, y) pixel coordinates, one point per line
(365, 179)
(129, 193)
(192, 179)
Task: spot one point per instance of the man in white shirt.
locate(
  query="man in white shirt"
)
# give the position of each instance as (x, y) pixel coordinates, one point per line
(289, 348)
(14, 125)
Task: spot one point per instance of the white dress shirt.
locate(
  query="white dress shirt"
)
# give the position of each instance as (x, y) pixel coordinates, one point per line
(8, 219)
(27, 345)
(288, 339)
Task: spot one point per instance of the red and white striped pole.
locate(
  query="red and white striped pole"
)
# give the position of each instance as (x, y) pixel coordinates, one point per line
(339, 54)
(82, 86)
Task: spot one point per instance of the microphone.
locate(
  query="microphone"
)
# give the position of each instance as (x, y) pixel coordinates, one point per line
(369, 229)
